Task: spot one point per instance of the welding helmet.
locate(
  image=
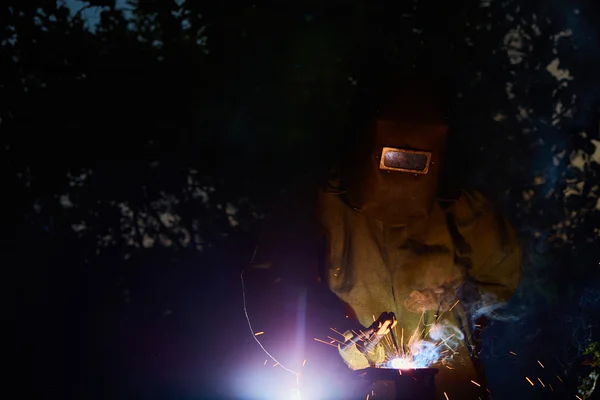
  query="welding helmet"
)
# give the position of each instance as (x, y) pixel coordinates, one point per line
(395, 167)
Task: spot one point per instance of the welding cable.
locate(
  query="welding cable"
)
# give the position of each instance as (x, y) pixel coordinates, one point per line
(250, 324)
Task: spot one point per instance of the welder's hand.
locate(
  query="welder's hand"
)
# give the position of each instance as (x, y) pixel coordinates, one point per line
(384, 323)
(384, 328)
(380, 328)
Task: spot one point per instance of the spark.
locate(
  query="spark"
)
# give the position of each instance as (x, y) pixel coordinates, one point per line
(420, 320)
(367, 397)
(448, 338)
(334, 340)
(388, 340)
(475, 383)
(336, 331)
(529, 380)
(258, 333)
(578, 397)
(443, 341)
(541, 382)
(449, 367)
(513, 353)
(402, 342)
(304, 363)
(276, 364)
(446, 396)
(265, 363)
(453, 305)
(551, 387)
(322, 341)
(541, 365)
(419, 351)
(559, 378)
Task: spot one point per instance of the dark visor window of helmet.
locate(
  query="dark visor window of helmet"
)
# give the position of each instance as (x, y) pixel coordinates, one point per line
(405, 160)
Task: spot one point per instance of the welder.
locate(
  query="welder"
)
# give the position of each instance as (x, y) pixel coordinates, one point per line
(409, 259)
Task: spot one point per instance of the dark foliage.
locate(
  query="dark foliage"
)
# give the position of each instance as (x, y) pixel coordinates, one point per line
(141, 145)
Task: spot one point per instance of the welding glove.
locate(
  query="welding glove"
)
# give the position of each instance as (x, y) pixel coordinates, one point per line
(361, 349)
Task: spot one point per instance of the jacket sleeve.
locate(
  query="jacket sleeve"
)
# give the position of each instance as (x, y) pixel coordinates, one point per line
(353, 358)
(490, 245)
(356, 359)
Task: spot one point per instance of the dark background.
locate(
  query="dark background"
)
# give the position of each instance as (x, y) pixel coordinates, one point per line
(142, 143)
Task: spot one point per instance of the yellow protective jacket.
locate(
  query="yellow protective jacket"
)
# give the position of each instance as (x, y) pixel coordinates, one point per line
(464, 251)
(438, 276)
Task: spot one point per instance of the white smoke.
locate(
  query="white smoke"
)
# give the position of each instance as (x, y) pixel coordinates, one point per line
(440, 344)
(443, 330)
(425, 353)
(487, 306)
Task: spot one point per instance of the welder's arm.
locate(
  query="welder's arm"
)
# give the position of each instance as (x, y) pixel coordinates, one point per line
(498, 271)
(354, 358)
(361, 348)
(495, 250)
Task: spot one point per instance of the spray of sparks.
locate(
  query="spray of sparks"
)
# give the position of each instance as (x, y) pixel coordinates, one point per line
(425, 346)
